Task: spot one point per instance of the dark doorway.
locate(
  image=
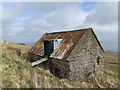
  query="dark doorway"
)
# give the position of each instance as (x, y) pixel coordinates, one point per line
(48, 47)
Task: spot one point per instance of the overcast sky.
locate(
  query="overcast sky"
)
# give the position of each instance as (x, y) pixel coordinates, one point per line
(26, 22)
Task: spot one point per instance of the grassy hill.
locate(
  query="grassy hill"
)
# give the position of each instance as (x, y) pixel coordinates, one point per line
(17, 72)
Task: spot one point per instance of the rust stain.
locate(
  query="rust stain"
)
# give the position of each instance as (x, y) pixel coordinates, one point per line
(60, 50)
(70, 38)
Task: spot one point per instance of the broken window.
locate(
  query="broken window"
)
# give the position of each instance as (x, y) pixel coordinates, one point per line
(51, 45)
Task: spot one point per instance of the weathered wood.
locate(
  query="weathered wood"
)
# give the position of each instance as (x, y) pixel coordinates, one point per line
(39, 61)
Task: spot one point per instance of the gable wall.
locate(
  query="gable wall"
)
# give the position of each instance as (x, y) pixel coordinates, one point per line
(83, 58)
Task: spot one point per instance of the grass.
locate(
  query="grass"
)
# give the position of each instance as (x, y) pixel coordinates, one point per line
(111, 64)
(17, 72)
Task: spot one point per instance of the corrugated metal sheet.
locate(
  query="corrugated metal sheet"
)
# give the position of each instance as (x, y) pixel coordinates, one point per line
(57, 43)
(69, 40)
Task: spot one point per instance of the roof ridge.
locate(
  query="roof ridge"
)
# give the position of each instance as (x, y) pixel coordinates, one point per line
(70, 31)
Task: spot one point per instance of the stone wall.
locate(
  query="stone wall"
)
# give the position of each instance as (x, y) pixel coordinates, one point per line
(33, 57)
(83, 59)
(59, 68)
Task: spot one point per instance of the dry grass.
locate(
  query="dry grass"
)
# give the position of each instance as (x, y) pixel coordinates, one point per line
(7, 45)
(17, 72)
(111, 57)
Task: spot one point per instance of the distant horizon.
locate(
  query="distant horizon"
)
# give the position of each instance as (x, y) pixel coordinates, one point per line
(106, 45)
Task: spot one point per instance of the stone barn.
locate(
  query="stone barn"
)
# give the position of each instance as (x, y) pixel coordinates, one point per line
(73, 55)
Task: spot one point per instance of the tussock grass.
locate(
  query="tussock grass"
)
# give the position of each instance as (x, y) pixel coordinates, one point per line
(17, 72)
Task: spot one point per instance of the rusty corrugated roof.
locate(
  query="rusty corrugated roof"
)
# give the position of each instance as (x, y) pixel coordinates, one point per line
(70, 39)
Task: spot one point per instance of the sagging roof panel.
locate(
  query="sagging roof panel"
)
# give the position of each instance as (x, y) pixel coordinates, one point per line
(69, 40)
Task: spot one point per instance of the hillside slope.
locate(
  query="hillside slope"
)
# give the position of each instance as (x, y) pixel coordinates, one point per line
(18, 72)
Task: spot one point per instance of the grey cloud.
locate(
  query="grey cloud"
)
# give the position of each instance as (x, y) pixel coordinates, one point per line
(104, 13)
(29, 21)
(66, 16)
